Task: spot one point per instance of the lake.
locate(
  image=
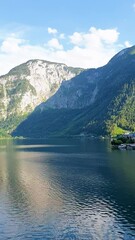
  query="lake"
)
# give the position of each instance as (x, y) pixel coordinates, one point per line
(66, 189)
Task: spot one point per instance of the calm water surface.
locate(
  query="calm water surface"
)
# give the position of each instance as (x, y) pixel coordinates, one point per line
(66, 189)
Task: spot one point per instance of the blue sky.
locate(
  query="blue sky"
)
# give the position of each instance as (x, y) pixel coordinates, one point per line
(79, 33)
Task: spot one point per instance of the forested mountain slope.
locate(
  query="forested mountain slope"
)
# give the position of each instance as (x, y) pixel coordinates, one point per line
(98, 101)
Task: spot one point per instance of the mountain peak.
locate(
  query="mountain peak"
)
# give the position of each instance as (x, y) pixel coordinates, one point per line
(97, 101)
(29, 84)
(124, 54)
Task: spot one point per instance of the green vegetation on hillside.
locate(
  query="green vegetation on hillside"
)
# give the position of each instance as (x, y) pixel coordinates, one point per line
(112, 112)
(121, 115)
(4, 134)
(25, 86)
(10, 124)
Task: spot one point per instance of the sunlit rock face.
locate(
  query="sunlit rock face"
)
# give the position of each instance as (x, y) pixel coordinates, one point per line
(29, 84)
(95, 102)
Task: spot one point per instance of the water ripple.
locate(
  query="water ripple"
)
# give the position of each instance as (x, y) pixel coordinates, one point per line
(72, 194)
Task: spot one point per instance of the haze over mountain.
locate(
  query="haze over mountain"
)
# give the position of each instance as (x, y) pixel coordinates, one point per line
(98, 101)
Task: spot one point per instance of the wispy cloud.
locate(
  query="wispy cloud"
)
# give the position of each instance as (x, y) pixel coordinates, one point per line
(93, 48)
(134, 6)
(62, 36)
(127, 44)
(52, 30)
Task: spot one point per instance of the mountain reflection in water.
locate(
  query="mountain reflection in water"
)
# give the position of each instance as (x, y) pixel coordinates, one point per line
(66, 189)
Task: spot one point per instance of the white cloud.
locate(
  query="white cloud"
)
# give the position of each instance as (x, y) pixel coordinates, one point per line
(54, 44)
(77, 38)
(91, 49)
(62, 36)
(109, 36)
(11, 44)
(127, 44)
(95, 36)
(52, 30)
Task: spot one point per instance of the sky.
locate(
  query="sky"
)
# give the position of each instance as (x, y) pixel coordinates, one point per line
(79, 33)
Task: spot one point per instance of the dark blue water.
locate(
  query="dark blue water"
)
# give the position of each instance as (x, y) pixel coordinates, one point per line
(66, 189)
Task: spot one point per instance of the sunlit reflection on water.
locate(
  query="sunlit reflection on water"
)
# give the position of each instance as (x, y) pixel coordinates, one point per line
(66, 189)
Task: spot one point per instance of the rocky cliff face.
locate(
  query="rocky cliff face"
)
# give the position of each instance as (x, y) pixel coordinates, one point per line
(79, 92)
(97, 101)
(29, 84)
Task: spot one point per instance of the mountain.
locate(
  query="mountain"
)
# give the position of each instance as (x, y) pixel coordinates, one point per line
(26, 86)
(97, 101)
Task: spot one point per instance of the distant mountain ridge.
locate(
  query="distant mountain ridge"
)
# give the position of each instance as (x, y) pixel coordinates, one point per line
(97, 101)
(26, 86)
